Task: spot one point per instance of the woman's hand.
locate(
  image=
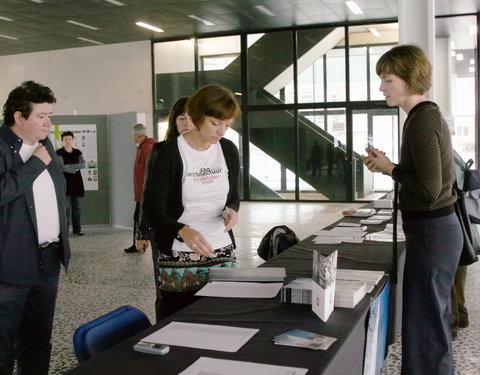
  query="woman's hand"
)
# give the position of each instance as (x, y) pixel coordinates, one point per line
(195, 241)
(376, 161)
(230, 218)
(142, 245)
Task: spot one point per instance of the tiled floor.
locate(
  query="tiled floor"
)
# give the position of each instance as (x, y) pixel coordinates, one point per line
(102, 277)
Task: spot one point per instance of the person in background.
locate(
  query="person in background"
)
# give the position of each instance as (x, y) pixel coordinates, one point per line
(73, 162)
(178, 120)
(316, 158)
(190, 199)
(459, 309)
(178, 123)
(144, 146)
(433, 234)
(33, 230)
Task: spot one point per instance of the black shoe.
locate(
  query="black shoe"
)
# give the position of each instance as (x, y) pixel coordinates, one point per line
(463, 324)
(78, 233)
(131, 249)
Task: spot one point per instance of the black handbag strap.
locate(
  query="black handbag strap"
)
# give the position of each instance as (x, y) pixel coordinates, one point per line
(394, 276)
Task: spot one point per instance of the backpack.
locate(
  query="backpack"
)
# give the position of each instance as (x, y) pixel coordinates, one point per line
(468, 181)
(471, 245)
(277, 240)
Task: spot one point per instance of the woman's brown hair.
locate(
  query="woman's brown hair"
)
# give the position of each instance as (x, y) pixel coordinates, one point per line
(410, 63)
(214, 101)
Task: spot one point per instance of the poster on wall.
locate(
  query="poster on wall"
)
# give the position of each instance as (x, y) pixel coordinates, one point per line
(85, 139)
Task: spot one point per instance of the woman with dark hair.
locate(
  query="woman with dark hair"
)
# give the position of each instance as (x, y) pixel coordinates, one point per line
(178, 121)
(191, 198)
(426, 199)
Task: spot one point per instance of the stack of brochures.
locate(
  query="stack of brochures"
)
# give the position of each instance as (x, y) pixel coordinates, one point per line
(260, 274)
(349, 293)
(351, 287)
(371, 278)
(304, 339)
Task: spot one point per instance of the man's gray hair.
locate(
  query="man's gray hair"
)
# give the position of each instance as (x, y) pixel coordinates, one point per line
(140, 129)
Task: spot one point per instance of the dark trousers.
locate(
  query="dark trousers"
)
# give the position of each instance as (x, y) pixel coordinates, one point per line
(160, 311)
(73, 211)
(459, 311)
(175, 301)
(26, 320)
(136, 217)
(433, 248)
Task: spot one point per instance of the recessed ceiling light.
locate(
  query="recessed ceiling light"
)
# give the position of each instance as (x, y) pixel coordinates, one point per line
(8, 37)
(89, 40)
(354, 8)
(203, 20)
(5, 18)
(115, 2)
(265, 10)
(37, 1)
(472, 61)
(82, 25)
(150, 27)
(459, 56)
(471, 69)
(374, 31)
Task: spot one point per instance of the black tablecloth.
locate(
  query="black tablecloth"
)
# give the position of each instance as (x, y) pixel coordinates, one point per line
(345, 356)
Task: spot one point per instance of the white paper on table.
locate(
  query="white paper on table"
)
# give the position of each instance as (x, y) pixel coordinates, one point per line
(342, 224)
(380, 217)
(385, 211)
(353, 240)
(349, 230)
(202, 336)
(328, 233)
(327, 240)
(372, 222)
(206, 365)
(236, 289)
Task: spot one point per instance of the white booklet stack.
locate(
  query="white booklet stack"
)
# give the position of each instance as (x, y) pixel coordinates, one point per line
(349, 292)
(371, 278)
(350, 287)
(323, 286)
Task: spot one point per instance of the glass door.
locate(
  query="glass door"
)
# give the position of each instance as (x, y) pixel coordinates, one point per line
(377, 127)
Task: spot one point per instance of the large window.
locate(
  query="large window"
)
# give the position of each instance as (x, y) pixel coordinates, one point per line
(308, 112)
(270, 68)
(456, 64)
(219, 62)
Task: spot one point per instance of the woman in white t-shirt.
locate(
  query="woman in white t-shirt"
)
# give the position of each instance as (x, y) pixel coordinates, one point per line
(192, 192)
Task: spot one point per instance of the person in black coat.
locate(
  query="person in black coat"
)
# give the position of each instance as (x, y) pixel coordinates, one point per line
(73, 162)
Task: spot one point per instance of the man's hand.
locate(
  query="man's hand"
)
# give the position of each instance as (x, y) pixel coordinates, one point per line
(42, 153)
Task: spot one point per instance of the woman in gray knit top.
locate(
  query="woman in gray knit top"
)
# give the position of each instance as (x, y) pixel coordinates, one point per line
(433, 235)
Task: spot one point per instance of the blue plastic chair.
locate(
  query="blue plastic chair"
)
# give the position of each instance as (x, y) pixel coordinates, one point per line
(108, 330)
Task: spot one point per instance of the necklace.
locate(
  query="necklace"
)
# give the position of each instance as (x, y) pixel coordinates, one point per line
(198, 152)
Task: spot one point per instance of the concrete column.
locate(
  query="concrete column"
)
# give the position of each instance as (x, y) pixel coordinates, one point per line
(416, 23)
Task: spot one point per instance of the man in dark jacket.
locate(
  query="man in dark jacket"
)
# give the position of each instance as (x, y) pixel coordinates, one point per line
(144, 146)
(73, 162)
(33, 230)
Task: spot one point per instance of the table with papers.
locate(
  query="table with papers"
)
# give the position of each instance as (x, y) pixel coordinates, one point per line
(269, 317)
